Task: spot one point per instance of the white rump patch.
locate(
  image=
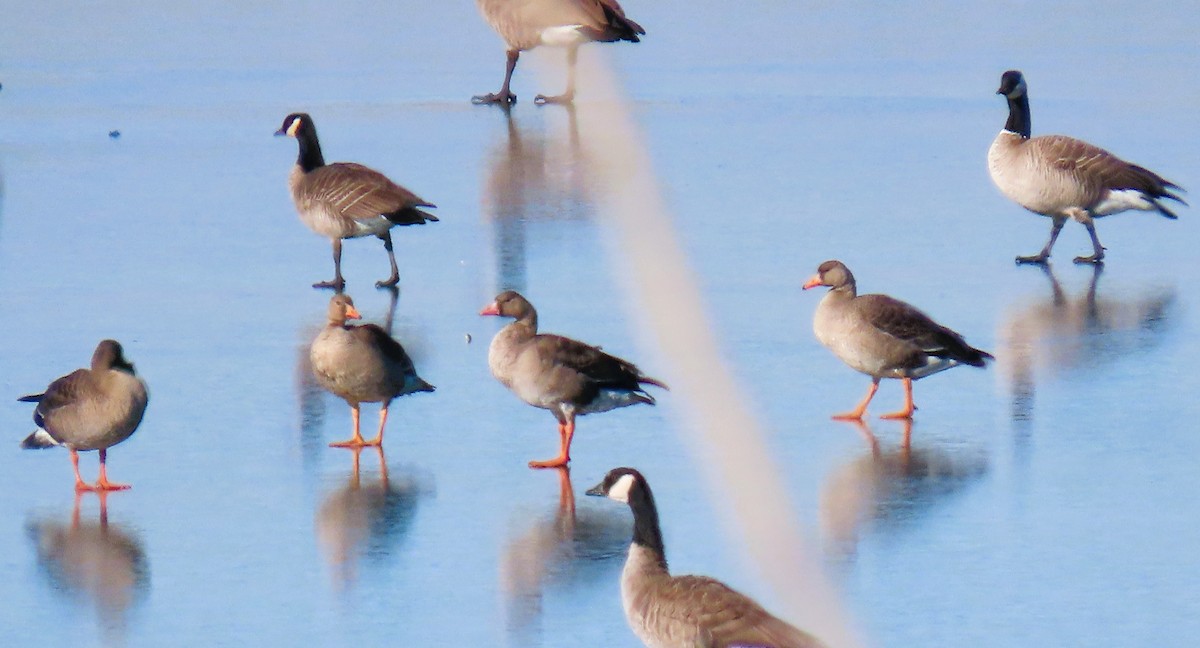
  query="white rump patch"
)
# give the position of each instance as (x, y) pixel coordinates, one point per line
(620, 489)
(563, 35)
(1119, 200)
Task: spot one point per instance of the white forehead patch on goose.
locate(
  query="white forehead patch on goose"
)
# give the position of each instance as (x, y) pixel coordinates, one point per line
(620, 489)
(295, 126)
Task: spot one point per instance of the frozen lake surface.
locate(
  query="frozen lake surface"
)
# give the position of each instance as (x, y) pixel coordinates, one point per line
(1046, 501)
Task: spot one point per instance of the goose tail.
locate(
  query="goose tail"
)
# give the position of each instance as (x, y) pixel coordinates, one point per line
(38, 440)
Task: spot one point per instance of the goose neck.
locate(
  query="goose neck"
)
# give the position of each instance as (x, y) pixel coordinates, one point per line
(1018, 116)
(310, 157)
(646, 530)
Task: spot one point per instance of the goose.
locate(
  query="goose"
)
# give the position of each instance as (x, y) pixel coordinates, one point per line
(345, 200)
(90, 409)
(1062, 177)
(883, 337)
(668, 611)
(525, 24)
(559, 374)
(361, 364)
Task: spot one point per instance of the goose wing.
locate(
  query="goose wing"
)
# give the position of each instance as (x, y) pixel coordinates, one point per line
(596, 366)
(361, 193)
(389, 349)
(905, 322)
(1097, 168)
(63, 393)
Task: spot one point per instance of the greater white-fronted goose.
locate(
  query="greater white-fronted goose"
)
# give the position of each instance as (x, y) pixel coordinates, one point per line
(525, 24)
(668, 611)
(345, 200)
(559, 374)
(90, 409)
(883, 337)
(1062, 177)
(361, 364)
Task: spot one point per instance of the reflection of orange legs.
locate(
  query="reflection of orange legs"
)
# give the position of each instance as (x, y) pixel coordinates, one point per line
(355, 474)
(857, 413)
(565, 432)
(909, 408)
(566, 494)
(102, 484)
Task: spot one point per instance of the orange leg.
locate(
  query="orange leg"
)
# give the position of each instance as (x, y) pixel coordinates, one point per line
(565, 431)
(102, 484)
(378, 440)
(355, 441)
(80, 485)
(857, 413)
(909, 408)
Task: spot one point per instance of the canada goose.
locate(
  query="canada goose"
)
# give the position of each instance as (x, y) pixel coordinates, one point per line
(883, 337)
(1062, 177)
(361, 364)
(525, 24)
(90, 409)
(559, 374)
(668, 611)
(347, 200)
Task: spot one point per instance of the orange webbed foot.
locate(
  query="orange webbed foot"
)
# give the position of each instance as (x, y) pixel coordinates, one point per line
(557, 462)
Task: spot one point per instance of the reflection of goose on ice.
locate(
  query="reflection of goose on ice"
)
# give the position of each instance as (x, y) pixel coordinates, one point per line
(99, 562)
(536, 175)
(1076, 332)
(891, 488)
(558, 549)
(366, 521)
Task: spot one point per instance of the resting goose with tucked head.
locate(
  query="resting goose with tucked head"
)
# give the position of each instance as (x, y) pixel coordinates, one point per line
(361, 364)
(1062, 177)
(668, 611)
(90, 409)
(525, 24)
(346, 200)
(883, 337)
(559, 374)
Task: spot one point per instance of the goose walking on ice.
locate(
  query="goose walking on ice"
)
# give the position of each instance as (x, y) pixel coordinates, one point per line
(1065, 178)
(559, 374)
(525, 24)
(883, 337)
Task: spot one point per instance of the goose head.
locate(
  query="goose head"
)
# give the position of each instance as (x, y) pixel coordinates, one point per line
(509, 303)
(341, 308)
(832, 273)
(295, 125)
(619, 484)
(110, 355)
(1012, 84)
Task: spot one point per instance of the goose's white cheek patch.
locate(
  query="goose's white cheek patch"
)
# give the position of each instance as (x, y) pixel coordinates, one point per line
(620, 490)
